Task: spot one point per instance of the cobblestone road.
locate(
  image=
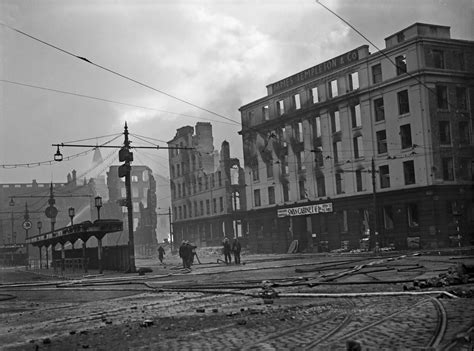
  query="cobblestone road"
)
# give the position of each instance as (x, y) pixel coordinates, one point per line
(112, 316)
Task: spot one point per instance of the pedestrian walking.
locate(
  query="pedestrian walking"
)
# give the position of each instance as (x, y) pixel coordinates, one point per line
(161, 253)
(236, 248)
(227, 250)
(190, 251)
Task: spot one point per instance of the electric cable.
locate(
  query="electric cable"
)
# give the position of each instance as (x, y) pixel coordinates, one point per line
(119, 74)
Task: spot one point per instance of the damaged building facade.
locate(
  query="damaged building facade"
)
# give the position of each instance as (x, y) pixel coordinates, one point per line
(207, 188)
(143, 192)
(388, 133)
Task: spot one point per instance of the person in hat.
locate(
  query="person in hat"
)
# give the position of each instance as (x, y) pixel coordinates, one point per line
(236, 248)
(182, 253)
(227, 249)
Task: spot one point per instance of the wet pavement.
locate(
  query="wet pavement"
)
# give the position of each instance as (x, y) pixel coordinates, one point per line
(216, 306)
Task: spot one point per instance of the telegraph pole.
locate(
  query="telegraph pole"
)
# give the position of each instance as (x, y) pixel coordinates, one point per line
(373, 229)
(125, 171)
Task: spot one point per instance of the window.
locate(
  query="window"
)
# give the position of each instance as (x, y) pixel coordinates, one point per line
(314, 95)
(388, 217)
(409, 172)
(177, 170)
(401, 62)
(280, 107)
(355, 115)
(354, 81)
(196, 210)
(284, 165)
(379, 110)
(465, 168)
(266, 113)
(256, 197)
(172, 170)
(333, 92)
(448, 170)
(179, 191)
(199, 183)
(384, 177)
(444, 133)
(412, 214)
(250, 116)
(301, 186)
(403, 104)
(461, 98)
(381, 142)
(442, 97)
(337, 151)
(219, 178)
(321, 184)
(298, 131)
(123, 191)
(297, 101)
(335, 121)
(208, 206)
(271, 195)
(190, 209)
(377, 73)
(358, 147)
(438, 58)
(405, 136)
(464, 133)
(300, 159)
(135, 178)
(269, 166)
(286, 192)
(317, 127)
(255, 173)
(339, 183)
(214, 205)
(400, 37)
(318, 156)
(201, 206)
(221, 204)
(359, 184)
(459, 59)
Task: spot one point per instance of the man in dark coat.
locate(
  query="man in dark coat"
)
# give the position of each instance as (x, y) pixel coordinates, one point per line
(182, 253)
(236, 248)
(161, 253)
(227, 249)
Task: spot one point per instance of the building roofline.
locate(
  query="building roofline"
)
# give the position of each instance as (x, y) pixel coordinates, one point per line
(416, 24)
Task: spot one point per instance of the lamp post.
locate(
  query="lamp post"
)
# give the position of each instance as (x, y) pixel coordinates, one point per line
(12, 203)
(98, 204)
(72, 212)
(39, 225)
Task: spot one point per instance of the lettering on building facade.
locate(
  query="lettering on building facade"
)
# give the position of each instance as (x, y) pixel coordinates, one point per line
(305, 210)
(315, 71)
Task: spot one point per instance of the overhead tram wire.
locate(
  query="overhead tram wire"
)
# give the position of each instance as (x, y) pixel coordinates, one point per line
(119, 74)
(112, 101)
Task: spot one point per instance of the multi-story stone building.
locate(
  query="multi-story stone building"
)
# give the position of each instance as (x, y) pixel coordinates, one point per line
(390, 131)
(207, 188)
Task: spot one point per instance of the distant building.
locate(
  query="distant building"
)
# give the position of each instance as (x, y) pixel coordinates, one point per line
(207, 188)
(309, 146)
(143, 188)
(35, 196)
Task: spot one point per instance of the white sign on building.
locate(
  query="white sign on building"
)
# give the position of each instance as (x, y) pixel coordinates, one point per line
(305, 210)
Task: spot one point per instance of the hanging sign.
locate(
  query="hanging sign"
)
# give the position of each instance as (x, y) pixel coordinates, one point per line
(305, 210)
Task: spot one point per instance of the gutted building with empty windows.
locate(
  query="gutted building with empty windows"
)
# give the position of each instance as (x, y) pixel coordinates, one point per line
(207, 188)
(386, 133)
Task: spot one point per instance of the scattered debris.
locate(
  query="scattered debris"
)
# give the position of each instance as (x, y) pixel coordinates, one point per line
(215, 310)
(46, 341)
(146, 323)
(143, 270)
(200, 310)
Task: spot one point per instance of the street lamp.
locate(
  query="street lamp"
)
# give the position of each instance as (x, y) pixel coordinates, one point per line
(72, 213)
(98, 204)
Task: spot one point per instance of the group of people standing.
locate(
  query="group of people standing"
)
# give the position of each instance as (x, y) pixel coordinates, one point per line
(234, 248)
(187, 253)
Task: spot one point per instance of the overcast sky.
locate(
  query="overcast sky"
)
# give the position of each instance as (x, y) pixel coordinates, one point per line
(215, 54)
